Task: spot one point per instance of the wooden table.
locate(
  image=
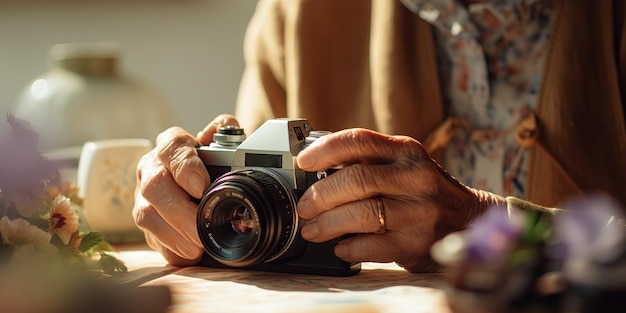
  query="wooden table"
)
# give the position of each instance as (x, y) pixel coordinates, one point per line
(377, 288)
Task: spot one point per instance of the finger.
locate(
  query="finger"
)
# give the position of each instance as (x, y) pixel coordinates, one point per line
(357, 146)
(358, 217)
(205, 136)
(176, 150)
(358, 181)
(353, 218)
(170, 256)
(380, 249)
(163, 237)
(366, 248)
(169, 202)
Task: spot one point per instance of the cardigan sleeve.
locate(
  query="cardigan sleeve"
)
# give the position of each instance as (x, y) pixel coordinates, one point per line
(513, 203)
(262, 93)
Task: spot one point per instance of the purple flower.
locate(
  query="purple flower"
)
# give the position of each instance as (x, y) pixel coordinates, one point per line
(590, 228)
(492, 236)
(24, 171)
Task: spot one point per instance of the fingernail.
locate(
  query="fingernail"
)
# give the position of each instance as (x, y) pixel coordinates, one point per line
(310, 231)
(196, 185)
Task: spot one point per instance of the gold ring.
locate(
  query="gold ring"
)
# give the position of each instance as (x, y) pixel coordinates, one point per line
(381, 216)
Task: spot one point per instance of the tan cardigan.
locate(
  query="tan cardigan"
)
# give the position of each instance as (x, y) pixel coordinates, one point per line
(354, 63)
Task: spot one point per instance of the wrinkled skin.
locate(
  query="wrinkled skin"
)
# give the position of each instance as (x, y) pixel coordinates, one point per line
(167, 175)
(422, 202)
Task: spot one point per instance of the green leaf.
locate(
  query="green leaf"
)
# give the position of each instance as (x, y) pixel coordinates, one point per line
(111, 265)
(42, 222)
(90, 240)
(66, 252)
(105, 246)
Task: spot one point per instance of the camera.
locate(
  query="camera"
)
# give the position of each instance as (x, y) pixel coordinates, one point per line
(247, 217)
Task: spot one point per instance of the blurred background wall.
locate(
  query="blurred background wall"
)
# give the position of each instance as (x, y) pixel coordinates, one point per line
(190, 51)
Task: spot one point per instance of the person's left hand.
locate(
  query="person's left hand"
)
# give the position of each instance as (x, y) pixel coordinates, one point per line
(422, 202)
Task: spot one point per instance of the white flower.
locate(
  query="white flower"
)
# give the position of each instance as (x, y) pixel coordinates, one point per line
(19, 233)
(30, 253)
(63, 218)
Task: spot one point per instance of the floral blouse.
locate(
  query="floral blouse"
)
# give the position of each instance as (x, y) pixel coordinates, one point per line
(491, 61)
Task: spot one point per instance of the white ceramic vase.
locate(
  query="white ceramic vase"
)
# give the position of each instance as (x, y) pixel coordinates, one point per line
(106, 180)
(84, 96)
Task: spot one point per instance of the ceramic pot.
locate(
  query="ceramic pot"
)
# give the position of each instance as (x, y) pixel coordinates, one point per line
(106, 181)
(84, 96)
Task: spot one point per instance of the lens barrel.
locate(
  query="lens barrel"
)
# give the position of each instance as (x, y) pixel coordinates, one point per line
(247, 217)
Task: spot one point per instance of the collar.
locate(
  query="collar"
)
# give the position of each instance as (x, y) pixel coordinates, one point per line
(453, 18)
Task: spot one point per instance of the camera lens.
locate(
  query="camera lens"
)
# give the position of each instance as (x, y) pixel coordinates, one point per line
(247, 217)
(241, 220)
(236, 224)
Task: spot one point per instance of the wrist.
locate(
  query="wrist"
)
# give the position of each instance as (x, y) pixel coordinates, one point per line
(487, 199)
(513, 203)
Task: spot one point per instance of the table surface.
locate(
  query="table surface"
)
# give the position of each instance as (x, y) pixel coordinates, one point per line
(377, 288)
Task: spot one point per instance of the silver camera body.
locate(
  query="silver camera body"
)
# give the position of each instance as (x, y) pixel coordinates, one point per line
(247, 217)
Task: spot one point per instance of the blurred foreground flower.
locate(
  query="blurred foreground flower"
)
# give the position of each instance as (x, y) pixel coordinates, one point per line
(591, 238)
(528, 261)
(38, 217)
(494, 263)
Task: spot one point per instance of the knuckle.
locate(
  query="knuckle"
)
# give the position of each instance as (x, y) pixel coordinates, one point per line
(226, 119)
(355, 178)
(152, 182)
(144, 216)
(421, 177)
(170, 134)
(410, 148)
(178, 143)
(184, 161)
(366, 217)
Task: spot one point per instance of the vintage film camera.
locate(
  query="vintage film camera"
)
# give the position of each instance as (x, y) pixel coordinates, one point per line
(247, 218)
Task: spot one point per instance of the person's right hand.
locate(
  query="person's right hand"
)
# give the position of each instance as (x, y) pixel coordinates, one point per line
(166, 178)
